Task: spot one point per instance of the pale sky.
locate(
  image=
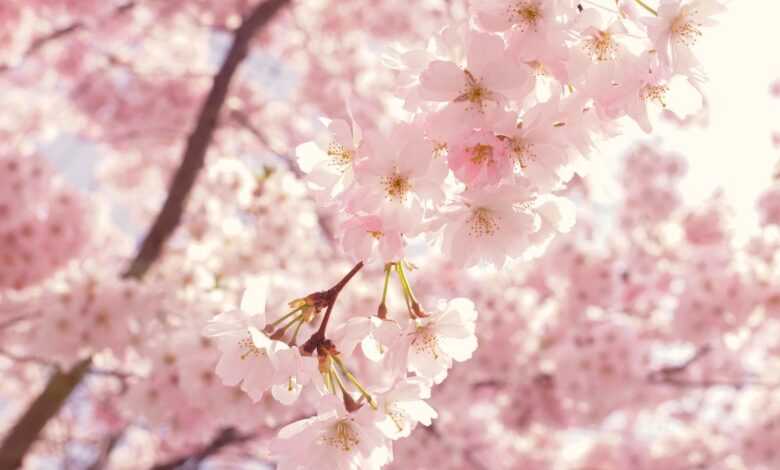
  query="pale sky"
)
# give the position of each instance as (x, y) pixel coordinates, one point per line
(741, 58)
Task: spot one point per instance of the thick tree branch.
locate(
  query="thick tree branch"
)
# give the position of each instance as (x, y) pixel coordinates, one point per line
(198, 142)
(22, 436)
(225, 438)
(61, 385)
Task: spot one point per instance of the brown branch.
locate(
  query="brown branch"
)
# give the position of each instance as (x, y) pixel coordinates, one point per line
(198, 142)
(668, 372)
(709, 383)
(106, 448)
(63, 31)
(226, 437)
(61, 385)
(22, 436)
(328, 298)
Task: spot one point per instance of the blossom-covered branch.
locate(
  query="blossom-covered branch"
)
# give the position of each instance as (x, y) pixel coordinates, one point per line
(62, 384)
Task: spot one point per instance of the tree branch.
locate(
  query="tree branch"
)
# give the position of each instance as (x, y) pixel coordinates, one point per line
(226, 437)
(22, 436)
(105, 451)
(198, 142)
(63, 31)
(61, 385)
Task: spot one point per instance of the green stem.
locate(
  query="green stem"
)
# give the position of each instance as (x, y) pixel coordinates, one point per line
(328, 379)
(355, 382)
(281, 331)
(411, 301)
(297, 329)
(382, 310)
(273, 325)
(647, 7)
(339, 382)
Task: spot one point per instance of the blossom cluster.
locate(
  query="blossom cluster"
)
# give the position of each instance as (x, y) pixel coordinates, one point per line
(498, 114)
(357, 419)
(42, 223)
(492, 121)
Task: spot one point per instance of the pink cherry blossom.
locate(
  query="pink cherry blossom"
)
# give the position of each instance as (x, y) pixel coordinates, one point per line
(482, 79)
(489, 224)
(347, 441)
(435, 341)
(403, 406)
(246, 351)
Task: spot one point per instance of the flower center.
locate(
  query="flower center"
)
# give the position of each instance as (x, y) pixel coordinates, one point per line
(526, 13)
(483, 223)
(396, 186)
(523, 151)
(601, 46)
(474, 92)
(425, 341)
(376, 234)
(655, 93)
(342, 436)
(685, 30)
(248, 348)
(481, 153)
(340, 157)
(440, 150)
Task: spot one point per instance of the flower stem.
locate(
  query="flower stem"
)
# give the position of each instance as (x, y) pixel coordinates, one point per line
(278, 334)
(297, 329)
(330, 296)
(414, 306)
(273, 325)
(647, 7)
(382, 310)
(355, 382)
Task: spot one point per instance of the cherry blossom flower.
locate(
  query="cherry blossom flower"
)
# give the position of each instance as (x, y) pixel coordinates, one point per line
(346, 441)
(246, 351)
(363, 237)
(434, 341)
(537, 146)
(399, 172)
(677, 27)
(403, 406)
(484, 77)
(329, 165)
(489, 224)
(291, 373)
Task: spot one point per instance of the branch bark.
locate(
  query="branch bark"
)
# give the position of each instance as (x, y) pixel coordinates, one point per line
(22, 436)
(226, 437)
(26, 431)
(198, 142)
(63, 31)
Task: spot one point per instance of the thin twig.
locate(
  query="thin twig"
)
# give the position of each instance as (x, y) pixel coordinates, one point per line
(243, 120)
(329, 297)
(78, 25)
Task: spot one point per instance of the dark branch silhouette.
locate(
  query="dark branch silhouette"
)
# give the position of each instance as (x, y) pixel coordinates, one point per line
(26, 431)
(78, 25)
(226, 437)
(198, 142)
(22, 436)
